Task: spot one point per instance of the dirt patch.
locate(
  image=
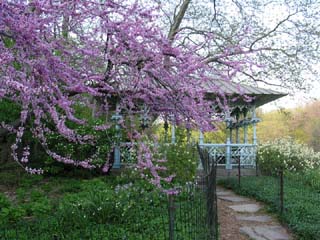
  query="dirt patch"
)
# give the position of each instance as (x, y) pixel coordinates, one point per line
(229, 225)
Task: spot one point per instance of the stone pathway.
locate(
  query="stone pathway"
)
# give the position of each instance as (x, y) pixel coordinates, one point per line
(243, 218)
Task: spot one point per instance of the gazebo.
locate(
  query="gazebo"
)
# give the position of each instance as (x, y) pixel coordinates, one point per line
(241, 114)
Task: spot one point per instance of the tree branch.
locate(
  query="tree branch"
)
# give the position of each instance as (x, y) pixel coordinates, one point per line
(270, 32)
(14, 124)
(178, 19)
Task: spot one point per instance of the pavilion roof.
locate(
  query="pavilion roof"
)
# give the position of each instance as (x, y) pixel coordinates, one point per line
(260, 96)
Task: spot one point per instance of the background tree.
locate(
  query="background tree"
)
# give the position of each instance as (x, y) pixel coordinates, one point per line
(301, 123)
(281, 37)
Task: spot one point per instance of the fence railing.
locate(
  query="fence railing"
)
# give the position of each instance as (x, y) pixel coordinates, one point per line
(229, 155)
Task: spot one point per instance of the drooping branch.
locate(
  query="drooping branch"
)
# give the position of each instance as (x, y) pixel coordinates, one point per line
(15, 124)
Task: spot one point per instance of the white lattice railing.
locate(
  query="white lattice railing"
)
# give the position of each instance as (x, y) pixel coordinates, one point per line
(229, 154)
(128, 153)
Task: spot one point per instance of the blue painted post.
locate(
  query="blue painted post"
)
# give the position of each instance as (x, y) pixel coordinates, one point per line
(201, 141)
(254, 125)
(201, 138)
(237, 135)
(173, 130)
(245, 132)
(117, 163)
(228, 155)
(228, 121)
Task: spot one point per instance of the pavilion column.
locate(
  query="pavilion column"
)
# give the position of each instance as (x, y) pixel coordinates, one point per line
(173, 129)
(201, 137)
(245, 133)
(228, 121)
(201, 141)
(116, 118)
(237, 135)
(254, 125)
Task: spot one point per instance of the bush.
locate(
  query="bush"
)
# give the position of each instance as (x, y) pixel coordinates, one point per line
(182, 161)
(286, 154)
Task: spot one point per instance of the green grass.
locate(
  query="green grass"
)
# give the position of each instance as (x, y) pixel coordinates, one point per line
(301, 202)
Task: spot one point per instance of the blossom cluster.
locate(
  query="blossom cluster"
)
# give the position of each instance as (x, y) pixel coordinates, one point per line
(54, 53)
(287, 154)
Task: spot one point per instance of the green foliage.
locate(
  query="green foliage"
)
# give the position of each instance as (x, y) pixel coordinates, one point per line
(301, 123)
(301, 202)
(115, 208)
(286, 154)
(182, 161)
(9, 111)
(309, 177)
(4, 201)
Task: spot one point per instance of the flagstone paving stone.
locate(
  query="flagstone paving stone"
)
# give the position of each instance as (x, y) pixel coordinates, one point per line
(254, 218)
(224, 193)
(247, 219)
(233, 198)
(246, 208)
(265, 232)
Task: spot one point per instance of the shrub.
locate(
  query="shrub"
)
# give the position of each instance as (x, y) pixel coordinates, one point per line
(182, 161)
(286, 154)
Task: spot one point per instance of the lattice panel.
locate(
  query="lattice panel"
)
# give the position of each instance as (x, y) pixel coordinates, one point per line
(218, 154)
(128, 153)
(246, 153)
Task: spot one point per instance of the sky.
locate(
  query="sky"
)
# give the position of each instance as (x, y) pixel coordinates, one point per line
(299, 98)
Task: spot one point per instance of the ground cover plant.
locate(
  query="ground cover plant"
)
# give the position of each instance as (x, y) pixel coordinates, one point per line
(301, 201)
(80, 204)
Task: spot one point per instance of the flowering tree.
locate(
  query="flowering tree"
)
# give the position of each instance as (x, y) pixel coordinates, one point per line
(54, 54)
